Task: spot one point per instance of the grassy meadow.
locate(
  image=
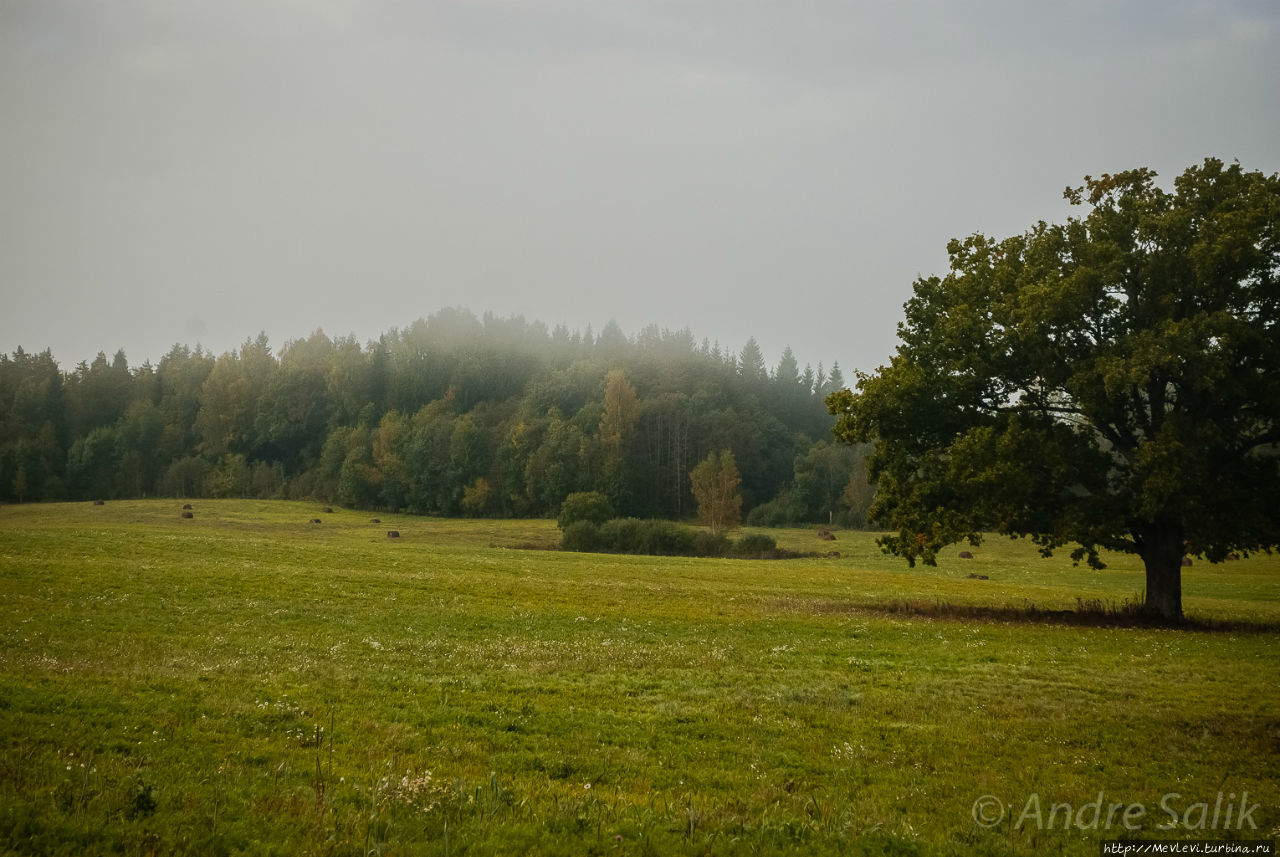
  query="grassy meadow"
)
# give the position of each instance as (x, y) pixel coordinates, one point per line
(247, 682)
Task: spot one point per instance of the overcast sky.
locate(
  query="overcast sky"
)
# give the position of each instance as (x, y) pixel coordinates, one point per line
(181, 171)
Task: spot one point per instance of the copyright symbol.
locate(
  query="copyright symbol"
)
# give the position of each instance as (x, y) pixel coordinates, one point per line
(988, 811)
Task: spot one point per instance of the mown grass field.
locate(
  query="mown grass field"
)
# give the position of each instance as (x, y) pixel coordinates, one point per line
(248, 682)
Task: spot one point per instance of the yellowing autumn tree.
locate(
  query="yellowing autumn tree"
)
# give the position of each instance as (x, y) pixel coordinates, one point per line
(621, 409)
(715, 487)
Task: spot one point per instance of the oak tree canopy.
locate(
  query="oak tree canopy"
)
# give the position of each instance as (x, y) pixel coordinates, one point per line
(1112, 382)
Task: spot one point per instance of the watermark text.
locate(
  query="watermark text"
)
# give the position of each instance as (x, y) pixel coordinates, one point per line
(1226, 811)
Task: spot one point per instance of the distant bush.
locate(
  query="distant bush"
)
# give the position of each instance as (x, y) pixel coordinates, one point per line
(652, 538)
(664, 538)
(581, 536)
(755, 545)
(584, 506)
(620, 535)
(707, 543)
(630, 535)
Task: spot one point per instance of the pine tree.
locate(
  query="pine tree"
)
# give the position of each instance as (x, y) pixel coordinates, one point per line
(751, 361)
(788, 371)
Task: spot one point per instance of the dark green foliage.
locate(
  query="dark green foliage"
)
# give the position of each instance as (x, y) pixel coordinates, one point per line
(755, 545)
(664, 538)
(452, 415)
(707, 543)
(92, 464)
(584, 506)
(631, 536)
(1113, 382)
(96, 394)
(781, 511)
(230, 477)
(621, 535)
(829, 486)
(822, 475)
(581, 536)
(185, 477)
(751, 361)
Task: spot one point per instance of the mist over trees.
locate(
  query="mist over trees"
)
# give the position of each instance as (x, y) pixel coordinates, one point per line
(452, 415)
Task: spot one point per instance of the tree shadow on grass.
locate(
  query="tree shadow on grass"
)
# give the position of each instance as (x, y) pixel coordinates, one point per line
(1088, 613)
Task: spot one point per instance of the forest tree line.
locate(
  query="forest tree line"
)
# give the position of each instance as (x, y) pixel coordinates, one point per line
(453, 415)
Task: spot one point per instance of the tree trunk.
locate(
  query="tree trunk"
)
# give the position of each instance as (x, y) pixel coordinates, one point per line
(1161, 548)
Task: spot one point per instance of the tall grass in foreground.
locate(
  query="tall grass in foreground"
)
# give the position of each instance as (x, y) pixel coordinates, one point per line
(248, 682)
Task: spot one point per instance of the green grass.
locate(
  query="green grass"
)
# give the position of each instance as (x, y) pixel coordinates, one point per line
(247, 682)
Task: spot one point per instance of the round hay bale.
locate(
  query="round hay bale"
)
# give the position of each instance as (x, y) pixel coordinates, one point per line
(186, 505)
(375, 520)
(327, 510)
(188, 514)
(393, 534)
(315, 520)
(966, 554)
(99, 502)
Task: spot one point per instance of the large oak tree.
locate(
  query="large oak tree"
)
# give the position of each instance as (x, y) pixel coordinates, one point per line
(1112, 382)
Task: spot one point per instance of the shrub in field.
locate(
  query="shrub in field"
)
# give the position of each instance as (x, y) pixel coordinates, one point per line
(630, 535)
(755, 545)
(620, 535)
(707, 543)
(581, 536)
(663, 538)
(584, 506)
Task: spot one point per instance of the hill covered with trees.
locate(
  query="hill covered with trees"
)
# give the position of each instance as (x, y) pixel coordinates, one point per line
(453, 415)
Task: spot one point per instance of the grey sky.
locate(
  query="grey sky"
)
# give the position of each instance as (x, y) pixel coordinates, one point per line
(173, 170)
